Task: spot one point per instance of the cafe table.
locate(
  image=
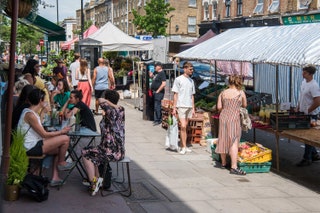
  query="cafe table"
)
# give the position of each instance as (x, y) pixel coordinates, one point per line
(75, 138)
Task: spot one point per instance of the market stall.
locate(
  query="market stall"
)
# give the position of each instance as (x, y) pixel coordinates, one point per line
(276, 54)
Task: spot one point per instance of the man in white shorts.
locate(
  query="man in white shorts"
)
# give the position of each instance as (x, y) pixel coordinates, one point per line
(183, 102)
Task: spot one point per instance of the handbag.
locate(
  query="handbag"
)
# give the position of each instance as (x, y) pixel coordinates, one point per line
(245, 119)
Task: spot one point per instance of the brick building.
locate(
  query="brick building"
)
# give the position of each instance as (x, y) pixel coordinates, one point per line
(220, 15)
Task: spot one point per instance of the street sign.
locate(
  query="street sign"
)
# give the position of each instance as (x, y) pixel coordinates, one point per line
(41, 42)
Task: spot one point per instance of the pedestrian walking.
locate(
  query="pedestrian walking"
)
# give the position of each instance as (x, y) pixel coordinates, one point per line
(183, 102)
(100, 80)
(73, 68)
(84, 84)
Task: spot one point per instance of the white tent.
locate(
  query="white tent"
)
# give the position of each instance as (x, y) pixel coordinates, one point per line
(113, 39)
(294, 45)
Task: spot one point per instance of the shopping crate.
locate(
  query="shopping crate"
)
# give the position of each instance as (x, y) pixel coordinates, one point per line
(290, 121)
(264, 154)
(215, 156)
(255, 167)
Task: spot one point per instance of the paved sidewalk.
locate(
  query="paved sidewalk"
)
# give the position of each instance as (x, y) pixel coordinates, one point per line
(165, 181)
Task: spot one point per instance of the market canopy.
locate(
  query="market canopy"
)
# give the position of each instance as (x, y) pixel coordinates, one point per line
(113, 39)
(209, 34)
(54, 31)
(295, 45)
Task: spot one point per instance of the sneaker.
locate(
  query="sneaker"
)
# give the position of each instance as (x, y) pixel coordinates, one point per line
(188, 150)
(182, 151)
(316, 157)
(54, 183)
(67, 166)
(85, 182)
(96, 186)
(304, 162)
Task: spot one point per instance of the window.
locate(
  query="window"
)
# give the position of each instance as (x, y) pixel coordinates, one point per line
(192, 24)
(214, 10)
(192, 3)
(304, 4)
(259, 7)
(206, 11)
(227, 3)
(239, 7)
(274, 7)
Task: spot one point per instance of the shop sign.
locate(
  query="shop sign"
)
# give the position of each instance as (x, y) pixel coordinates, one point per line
(303, 19)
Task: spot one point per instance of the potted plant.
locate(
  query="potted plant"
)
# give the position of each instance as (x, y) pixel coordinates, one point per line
(120, 74)
(18, 166)
(25, 7)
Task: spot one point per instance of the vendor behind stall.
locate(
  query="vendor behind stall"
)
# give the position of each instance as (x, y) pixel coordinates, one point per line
(309, 102)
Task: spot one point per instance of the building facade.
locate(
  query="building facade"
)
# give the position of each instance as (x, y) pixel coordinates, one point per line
(220, 15)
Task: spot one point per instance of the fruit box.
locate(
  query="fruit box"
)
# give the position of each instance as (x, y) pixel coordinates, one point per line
(255, 167)
(262, 154)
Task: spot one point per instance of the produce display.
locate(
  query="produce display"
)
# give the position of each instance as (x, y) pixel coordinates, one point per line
(253, 153)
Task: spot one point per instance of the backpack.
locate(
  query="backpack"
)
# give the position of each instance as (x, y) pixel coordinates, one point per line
(106, 184)
(37, 186)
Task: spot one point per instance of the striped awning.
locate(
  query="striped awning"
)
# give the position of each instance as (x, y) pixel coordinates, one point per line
(294, 45)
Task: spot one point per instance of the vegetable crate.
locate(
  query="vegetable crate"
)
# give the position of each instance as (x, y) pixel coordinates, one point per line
(257, 153)
(255, 167)
(290, 121)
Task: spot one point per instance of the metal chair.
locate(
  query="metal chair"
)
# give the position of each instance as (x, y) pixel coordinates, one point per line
(119, 184)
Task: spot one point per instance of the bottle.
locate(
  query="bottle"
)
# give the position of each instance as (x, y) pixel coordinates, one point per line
(60, 118)
(72, 122)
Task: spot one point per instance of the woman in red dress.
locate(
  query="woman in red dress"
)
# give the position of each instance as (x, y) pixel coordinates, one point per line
(84, 84)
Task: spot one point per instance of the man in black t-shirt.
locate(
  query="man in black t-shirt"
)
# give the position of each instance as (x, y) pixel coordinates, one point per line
(158, 88)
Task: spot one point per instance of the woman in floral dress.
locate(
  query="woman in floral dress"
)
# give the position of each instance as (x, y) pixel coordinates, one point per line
(112, 143)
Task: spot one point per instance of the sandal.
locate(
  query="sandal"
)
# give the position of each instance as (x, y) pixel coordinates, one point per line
(237, 171)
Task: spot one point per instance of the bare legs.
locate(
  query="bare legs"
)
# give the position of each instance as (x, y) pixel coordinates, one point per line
(183, 132)
(58, 147)
(233, 152)
(91, 169)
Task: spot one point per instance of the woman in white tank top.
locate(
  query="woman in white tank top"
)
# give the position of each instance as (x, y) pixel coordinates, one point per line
(38, 141)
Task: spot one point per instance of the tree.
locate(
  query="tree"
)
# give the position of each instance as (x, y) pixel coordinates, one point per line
(155, 21)
(86, 25)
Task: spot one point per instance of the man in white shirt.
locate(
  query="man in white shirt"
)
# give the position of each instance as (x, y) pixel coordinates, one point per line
(309, 102)
(183, 102)
(73, 67)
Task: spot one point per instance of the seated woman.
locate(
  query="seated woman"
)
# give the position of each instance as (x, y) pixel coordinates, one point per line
(111, 147)
(62, 94)
(86, 115)
(38, 141)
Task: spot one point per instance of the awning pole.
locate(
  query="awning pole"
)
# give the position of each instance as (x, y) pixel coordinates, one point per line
(277, 120)
(8, 121)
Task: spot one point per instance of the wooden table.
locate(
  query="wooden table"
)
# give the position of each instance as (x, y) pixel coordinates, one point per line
(307, 136)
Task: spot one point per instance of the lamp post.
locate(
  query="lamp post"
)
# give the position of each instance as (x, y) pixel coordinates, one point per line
(82, 21)
(57, 3)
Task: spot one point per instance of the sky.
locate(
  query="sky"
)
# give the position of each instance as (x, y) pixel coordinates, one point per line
(67, 9)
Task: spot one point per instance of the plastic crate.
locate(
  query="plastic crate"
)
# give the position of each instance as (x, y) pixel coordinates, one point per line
(215, 156)
(255, 167)
(290, 121)
(263, 156)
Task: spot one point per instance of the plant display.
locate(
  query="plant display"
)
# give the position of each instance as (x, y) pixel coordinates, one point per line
(120, 73)
(18, 159)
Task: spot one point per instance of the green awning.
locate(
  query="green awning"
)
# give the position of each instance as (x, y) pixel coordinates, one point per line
(54, 31)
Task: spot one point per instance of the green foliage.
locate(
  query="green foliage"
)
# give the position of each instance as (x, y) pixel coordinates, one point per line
(155, 21)
(120, 73)
(18, 159)
(111, 55)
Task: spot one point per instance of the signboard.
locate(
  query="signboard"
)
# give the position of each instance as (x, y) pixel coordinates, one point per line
(41, 42)
(301, 19)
